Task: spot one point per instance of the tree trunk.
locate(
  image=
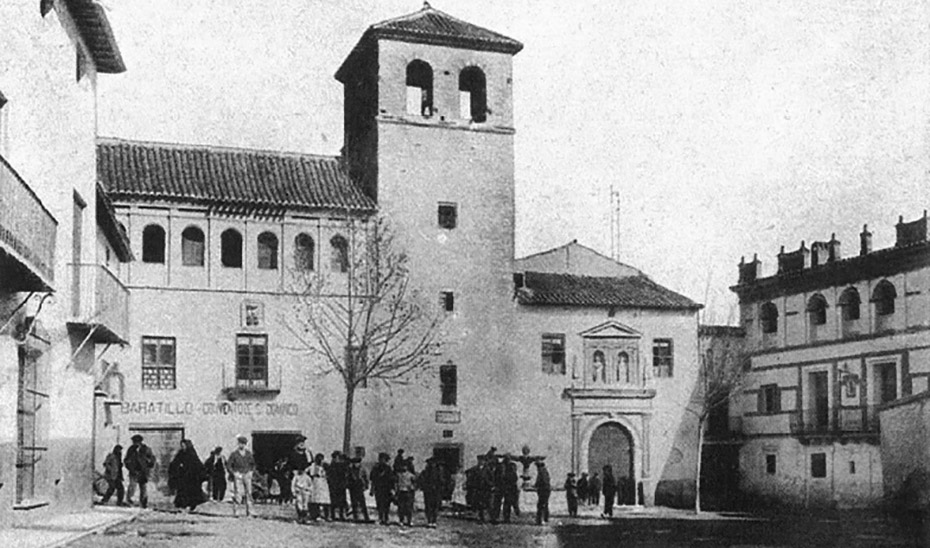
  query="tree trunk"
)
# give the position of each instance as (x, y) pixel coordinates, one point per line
(697, 480)
(347, 425)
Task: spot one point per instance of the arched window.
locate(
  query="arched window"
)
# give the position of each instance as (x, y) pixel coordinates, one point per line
(849, 303)
(153, 244)
(598, 371)
(623, 364)
(769, 318)
(883, 296)
(340, 254)
(267, 251)
(231, 248)
(473, 96)
(419, 88)
(817, 309)
(303, 252)
(192, 246)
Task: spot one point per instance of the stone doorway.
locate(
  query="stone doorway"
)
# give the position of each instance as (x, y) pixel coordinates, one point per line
(612, 444)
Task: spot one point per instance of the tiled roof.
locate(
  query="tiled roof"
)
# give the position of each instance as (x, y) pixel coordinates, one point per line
(431, 26)
(95, 30)
(541, 288)
(226, 177)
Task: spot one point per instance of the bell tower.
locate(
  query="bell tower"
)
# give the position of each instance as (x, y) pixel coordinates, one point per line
(429, 136)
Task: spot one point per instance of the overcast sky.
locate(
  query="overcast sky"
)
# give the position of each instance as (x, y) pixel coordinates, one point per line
(728, 127)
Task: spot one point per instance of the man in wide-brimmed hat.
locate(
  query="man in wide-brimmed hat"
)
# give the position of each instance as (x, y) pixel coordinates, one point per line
(139, 462)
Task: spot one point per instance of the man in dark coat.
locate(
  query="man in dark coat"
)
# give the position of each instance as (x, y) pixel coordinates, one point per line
(510, 487)
(382, 487)
(610, 490)
(543, 490)
(337, 477)
(496, 473)
(594, 489)
(358, 484)
(215, 467)
(113, 473)
(482, 486)
(400, 462)
(431, 482)
(139, 462)
(583, 488)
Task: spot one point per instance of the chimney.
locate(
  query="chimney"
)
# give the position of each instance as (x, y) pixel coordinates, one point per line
(911, 233)
(749, 272)
(795, 260)
(865, 241)
(833, 249)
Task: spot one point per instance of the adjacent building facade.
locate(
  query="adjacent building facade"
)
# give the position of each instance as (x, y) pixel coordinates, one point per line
(61, 252)
(569, 353)
(831, 340)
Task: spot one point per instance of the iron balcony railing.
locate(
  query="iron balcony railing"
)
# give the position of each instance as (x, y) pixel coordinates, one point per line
(27, 231)
(833, 421)
(100, 302)
(240, 382)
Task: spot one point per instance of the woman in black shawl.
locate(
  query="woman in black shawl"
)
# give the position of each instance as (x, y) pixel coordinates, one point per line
(185, 476)
(610, 489)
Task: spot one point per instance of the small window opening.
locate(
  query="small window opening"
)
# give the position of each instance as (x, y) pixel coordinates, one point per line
(770, 464)
(817, 310)
(419, 88)
(448, 381)
(153, 244)
(473, 100)
(267, 251)
(447, 433)
(819, 465)
(769, 318)
(340, 254)
(192, 246)
(849, 301)
(884, 296)
(303, 252)
(448, 215)
(447, 300)
(231, 248)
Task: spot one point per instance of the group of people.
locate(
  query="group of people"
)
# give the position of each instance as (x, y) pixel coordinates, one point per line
(588, 491)
(186, 474)
(318, 489)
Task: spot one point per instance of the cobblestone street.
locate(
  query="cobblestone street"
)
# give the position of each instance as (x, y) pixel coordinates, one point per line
(213, 525)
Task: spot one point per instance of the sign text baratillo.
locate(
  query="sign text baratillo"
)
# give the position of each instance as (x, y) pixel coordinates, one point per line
(211, 408)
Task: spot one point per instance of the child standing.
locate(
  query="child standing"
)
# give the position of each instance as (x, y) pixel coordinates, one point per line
(571, 495)
(301, 487)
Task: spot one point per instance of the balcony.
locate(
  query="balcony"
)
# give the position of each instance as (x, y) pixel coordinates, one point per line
(245, 384)
(100, 304)
(843, 422)
(27, 236)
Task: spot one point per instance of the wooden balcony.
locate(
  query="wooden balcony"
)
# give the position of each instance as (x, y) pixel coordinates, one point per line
(237, 384)
(100, 304)
(27, 236)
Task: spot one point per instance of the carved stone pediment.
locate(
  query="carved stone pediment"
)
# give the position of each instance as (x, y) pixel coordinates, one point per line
(611, 330)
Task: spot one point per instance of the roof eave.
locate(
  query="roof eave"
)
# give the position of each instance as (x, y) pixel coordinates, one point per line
(511, 47)
(95, 30)
(112, 230)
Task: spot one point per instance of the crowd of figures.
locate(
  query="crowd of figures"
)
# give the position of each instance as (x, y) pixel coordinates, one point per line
(336, 490)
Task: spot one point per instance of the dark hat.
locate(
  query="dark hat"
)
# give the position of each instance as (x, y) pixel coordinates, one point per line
(335, 454)
(137, 437)
(571, 474)
(301, 438)
(355, 460)
(242, 439)
(117, 447)
(383, 455)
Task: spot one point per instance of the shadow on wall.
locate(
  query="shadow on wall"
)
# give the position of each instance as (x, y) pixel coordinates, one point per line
(675, 487)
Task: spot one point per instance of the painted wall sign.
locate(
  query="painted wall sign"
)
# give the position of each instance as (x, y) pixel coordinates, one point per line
(448, 417)
(253, 314)
(210, 408)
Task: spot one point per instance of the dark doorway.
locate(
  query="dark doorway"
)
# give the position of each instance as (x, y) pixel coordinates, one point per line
(612, 444)
(887, 374)
(820, 417)
(450, 458)
(270, 447)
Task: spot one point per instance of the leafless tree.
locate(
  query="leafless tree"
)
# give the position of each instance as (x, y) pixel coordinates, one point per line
(721, 376)
(365, 321)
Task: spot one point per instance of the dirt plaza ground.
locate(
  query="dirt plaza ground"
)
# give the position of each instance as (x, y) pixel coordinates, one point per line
(214, 526)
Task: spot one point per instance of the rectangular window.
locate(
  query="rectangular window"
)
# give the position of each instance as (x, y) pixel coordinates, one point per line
(769, 399)
(448, 215)
(447, 433)
(448, 381)
(852, 467)
(770, 464)
(662, 364)
(553, 353)
(819, 465)
(252, 361)
(158, 363)
(447, 300)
